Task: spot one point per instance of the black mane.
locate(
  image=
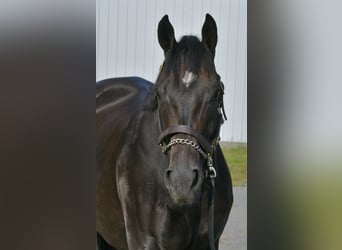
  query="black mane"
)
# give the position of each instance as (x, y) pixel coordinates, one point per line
(189, 53)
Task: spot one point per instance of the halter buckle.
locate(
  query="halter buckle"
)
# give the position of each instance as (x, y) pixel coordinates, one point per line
(212, 172)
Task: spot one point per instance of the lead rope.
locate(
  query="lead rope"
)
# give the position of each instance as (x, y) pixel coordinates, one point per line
(211, 213)
(211, 202)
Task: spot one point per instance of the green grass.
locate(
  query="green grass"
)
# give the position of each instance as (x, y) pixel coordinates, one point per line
(237, 162)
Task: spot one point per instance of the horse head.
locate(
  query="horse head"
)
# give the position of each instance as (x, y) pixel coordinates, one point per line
(188, 103)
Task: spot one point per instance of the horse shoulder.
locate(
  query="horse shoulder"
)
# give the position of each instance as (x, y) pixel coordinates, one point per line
(118, 101)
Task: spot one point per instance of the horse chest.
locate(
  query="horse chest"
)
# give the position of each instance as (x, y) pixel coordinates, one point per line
(173, 231)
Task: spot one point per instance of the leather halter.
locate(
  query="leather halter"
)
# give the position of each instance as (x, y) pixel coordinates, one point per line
(204, 147)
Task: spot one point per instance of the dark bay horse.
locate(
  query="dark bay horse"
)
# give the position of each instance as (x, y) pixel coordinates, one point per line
(157, 146)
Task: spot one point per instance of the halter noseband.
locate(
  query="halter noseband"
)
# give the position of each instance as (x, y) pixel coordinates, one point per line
(203, 147)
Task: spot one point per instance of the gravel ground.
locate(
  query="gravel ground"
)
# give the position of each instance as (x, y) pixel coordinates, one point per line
(234, 236)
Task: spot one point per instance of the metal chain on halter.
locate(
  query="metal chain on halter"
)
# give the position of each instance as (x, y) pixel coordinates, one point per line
(210, 172)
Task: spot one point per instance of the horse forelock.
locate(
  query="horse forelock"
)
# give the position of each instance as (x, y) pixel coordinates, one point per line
(187, 61)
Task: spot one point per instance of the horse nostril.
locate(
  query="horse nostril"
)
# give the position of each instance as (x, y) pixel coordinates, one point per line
(195, 181)
(167, 174)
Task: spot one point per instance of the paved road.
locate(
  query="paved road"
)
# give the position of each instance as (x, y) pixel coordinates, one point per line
(234, 236)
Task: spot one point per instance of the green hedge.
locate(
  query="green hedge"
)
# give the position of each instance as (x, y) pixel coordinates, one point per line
(237, 162)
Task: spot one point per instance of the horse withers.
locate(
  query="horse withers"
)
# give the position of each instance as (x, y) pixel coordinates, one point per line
(158, 155)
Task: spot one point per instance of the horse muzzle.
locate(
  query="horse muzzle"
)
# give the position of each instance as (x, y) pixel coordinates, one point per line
(184, 177)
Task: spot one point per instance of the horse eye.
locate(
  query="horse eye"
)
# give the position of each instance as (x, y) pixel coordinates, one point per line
(216, 95)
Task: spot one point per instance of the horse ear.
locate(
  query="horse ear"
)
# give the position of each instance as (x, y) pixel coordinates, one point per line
(166, 34)
(209, 34)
